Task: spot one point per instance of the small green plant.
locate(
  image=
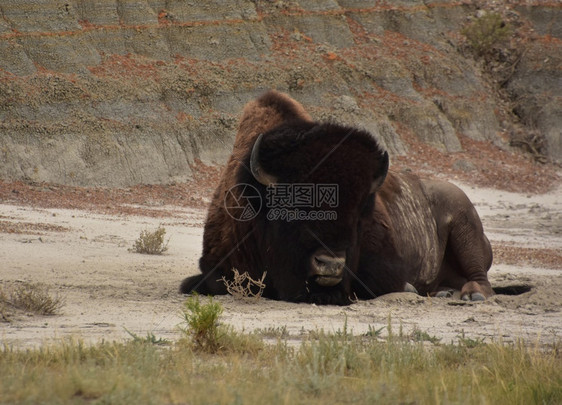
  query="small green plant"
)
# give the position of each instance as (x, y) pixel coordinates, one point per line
(487, 32)
(151, 243)
(149, 339)
(244, 287)
(33, 298)
(420, 336)
(204, 332)
(469, 342)
(279, 332)
(201, 323)
(391, 334)
(373, 332)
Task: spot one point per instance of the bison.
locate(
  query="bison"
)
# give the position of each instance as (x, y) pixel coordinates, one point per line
(386, 232)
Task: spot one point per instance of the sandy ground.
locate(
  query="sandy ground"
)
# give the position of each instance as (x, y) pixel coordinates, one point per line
(84, 257)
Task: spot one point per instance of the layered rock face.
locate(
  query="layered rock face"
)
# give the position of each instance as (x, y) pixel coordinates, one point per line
(123, 92)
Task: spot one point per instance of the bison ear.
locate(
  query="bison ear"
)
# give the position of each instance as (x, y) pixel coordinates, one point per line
(381, 174)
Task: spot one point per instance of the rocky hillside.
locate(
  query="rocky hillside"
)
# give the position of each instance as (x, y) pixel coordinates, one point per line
(123, 92)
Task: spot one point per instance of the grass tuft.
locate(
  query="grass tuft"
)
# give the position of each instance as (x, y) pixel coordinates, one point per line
(418, 335)
(469, 342)
(150, 338)
(278, 332)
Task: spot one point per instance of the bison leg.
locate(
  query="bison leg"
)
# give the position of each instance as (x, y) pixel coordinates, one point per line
(472, 255)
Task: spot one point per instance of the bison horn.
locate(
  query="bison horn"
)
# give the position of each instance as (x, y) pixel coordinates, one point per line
(381, 175)
(257, 170)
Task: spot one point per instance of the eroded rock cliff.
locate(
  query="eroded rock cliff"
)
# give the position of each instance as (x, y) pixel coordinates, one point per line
(122, 92)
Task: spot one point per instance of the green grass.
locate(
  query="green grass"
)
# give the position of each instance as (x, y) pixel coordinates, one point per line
(240, 369)
(150, 338)
(421, 336)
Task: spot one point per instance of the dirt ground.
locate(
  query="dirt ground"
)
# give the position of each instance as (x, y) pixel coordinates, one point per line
(82, 254)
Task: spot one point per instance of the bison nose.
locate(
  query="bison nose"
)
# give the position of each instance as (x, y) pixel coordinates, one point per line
(327, 270)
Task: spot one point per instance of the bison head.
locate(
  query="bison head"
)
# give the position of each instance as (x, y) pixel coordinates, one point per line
(318, 182)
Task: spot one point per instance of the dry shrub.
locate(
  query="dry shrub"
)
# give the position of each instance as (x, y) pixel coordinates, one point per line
(33, 298)
(486, 33)
(4, 314)
(531, 141)
(151, 243)
(245, 287)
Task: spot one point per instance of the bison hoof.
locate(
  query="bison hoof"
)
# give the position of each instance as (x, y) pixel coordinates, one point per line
(478, 297)
(445, 294)
(473, 297)
(410, 288)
